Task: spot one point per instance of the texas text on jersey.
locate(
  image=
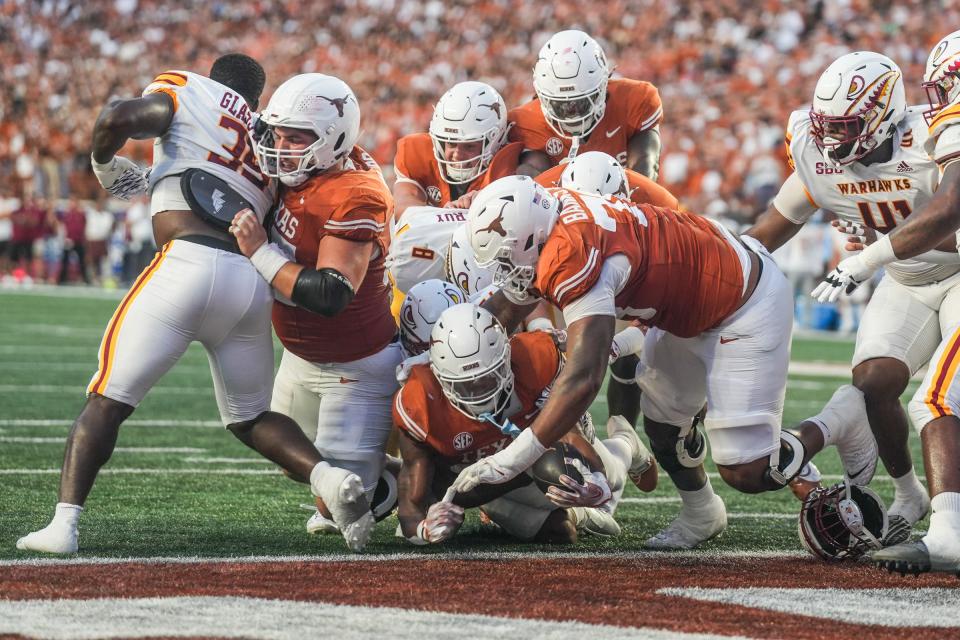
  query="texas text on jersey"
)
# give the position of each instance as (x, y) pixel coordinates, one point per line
(422, 411)
(686, 272)
(632, 106)
(415, 164)
(353, 204)
(209, 131)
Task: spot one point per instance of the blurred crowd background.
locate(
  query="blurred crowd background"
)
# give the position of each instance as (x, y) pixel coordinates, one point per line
(729, 73)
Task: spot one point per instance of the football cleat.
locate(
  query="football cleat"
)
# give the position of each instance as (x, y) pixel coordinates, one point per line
(806, 481)
(854, 440)
(596, 521)
(342, 492)
(319, 524)
(898, 531)
(913, 558)
(690, 530)
(58, 539)
(643, 470)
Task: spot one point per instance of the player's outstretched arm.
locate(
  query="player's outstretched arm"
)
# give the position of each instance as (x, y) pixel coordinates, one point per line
(643, 153)
(772, 229)
(510, 314)
(414, 484)
(139, 118)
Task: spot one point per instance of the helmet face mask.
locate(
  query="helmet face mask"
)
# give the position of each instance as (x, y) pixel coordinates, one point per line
(470, 358)
(312, 102)
(857, 104)
(570, 79)
(468, 127)
(939, 94)
(842, 522)
(941, 78)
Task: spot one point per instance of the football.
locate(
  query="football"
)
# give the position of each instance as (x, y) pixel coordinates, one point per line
(547, 470)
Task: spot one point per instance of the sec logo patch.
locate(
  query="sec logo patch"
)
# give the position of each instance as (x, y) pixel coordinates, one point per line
(462, 441)
(554, 146)
(433, 194)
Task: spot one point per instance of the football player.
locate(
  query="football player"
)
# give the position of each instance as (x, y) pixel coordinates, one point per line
(198, 288)
(859, 152)
(465, 149)
(935, 406)
(326, 265)
(578, 108)
(600, 173)
(479, 390)
(720, 317)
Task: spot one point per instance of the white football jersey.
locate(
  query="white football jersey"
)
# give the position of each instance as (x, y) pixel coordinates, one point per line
(418, 244)
(880, 195)
(209, 131)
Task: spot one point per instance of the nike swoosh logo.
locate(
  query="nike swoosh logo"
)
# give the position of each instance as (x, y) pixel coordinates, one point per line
(610, 134)
(858, 472)
(727, 340)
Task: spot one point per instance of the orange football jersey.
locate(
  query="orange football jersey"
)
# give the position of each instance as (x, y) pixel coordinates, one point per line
(422, 411)
(685, 275)
(632, 106)
(416, 163)
(353, 204)
(643, 190)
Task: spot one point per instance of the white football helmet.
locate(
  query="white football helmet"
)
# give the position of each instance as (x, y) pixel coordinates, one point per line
(570, 79)
(941, 80)
(423, 305)
(460, 265)
(595, 172)
(470, 113)
(322, 104)
(508, 223)
(470, 356)
(858, 101)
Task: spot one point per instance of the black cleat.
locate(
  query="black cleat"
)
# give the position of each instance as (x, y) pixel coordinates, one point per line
(898, 531)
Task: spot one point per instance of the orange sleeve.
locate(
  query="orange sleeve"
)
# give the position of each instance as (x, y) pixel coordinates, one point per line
(362, 210)
(643, 107)
(569, 265)
(535, 354)
(643, 190)
(410, 162)
(168, 82)
(551, 177)
(410, 408)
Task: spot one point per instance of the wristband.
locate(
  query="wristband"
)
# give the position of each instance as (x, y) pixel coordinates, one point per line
(102, 168)
(418, 539)
(627, 342)
(268, 259)
(879, 253)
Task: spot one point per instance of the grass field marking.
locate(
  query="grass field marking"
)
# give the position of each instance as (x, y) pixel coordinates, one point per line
(203, 460)
(87, 366)
(60, 441)
(653, 500)
(140, 472)
(134, 422)
(703, 554)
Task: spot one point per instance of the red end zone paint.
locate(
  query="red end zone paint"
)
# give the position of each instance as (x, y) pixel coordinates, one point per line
(602, 591)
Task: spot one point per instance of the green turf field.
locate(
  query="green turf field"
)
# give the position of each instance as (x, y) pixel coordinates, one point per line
(179, 485)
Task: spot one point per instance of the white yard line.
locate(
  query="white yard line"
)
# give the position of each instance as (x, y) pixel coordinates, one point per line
(125, 471)
(133, 422)
(59, 388)
(704, 554)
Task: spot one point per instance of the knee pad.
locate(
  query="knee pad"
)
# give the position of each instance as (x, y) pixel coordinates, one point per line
(385, 496)
(688, 451)
(787, 461)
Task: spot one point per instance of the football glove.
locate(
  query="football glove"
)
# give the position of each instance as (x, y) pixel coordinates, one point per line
(121, 177)
(845, 278)
(594, 492)
(502, 466)
(442, 522)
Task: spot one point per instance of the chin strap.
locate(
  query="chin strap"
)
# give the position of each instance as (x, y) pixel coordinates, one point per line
(507, 428)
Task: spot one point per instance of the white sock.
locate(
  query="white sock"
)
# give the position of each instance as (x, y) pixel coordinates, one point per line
(907, 485)
(824, 429)
(67, 515)
(946, 502)
(316, 476)
(846, 405)
(699, 498)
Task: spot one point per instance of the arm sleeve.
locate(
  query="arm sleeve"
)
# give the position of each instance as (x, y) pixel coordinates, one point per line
(599, 300)
(793, 201)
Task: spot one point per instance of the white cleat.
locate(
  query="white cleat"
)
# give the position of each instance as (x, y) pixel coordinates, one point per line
(343, 494)
(51, 539)
(643, 466)
(319, 524)
(689, 530)
(851, 434)
(597, 522)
